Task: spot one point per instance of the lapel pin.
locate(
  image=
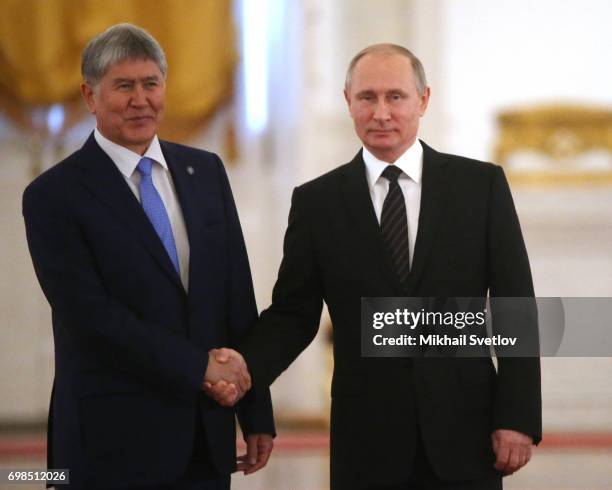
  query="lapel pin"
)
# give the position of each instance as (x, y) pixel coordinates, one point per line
(190, 170)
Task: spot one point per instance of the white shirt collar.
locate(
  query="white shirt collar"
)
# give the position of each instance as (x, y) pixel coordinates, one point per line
(127, 160)
(411, 163)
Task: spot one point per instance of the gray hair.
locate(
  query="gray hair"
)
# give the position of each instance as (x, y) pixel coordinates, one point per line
(388, 48)
(119, 43)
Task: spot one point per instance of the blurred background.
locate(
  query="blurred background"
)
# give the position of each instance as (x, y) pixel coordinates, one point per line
(524, 84)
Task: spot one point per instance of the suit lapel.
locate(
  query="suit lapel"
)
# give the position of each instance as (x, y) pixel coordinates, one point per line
(184, 186)
(434, 194)
(357, 199)
(103, 179)
(194, 191)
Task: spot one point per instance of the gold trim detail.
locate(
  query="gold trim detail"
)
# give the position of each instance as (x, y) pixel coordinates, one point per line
(561, 132)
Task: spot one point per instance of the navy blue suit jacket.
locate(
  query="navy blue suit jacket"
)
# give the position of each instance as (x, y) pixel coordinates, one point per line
(130, 344)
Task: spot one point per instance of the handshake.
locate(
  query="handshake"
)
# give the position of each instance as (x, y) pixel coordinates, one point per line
(227, 378)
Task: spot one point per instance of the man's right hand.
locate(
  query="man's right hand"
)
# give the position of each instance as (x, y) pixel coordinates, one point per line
(227, 378)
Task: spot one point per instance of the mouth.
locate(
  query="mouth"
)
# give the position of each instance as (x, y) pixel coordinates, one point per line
(381, 131)
(139, 118)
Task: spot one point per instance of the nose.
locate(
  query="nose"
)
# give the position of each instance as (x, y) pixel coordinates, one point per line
(381, 111)
(139, 98)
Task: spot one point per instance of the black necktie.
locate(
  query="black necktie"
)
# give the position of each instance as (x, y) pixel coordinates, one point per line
(394, 224)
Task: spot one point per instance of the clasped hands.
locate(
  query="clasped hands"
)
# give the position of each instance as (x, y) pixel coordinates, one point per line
(227, 378)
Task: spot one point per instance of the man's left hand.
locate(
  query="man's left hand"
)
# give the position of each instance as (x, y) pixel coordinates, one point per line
(259, 447)
(512, 450)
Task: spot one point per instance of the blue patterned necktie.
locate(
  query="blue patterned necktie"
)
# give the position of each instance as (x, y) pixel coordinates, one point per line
(156, 211)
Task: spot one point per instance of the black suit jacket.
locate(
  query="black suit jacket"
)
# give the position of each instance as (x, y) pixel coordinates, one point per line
(130, 344)
(469, 243)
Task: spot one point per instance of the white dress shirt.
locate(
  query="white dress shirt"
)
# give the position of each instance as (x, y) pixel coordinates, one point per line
(411, 164)
(127, 161)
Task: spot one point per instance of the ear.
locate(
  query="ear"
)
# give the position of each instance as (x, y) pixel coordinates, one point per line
(87, 92)
(424, 100)
(347, 97)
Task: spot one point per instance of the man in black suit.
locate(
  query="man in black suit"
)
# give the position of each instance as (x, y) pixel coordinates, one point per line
(138, 248)
(402, 219)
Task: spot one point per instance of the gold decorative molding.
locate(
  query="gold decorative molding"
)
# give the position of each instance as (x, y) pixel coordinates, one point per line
(561, 132)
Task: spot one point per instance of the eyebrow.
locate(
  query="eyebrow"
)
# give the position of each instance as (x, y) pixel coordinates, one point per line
(150, 78)
(390, 91)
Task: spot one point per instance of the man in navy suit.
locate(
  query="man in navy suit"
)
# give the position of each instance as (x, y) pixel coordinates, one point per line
(137, 246)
